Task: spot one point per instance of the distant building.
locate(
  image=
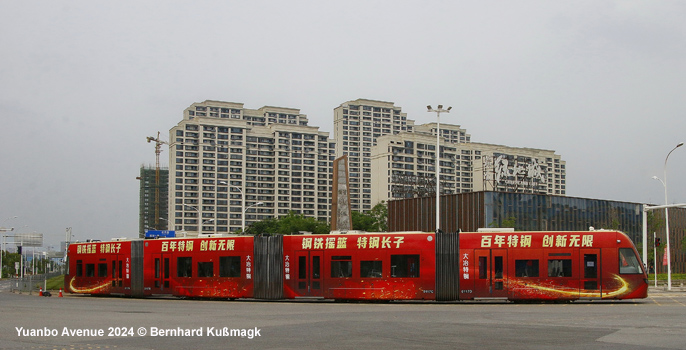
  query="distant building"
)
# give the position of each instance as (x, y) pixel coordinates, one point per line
(357, 125)
(154, 199)
(538, 212)
(390, 157)
(225, 157)
(232, 165)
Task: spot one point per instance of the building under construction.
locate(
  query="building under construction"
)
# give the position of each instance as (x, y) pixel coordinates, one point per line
(154, 199)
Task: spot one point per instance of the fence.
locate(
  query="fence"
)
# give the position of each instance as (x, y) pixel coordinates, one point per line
(29, 284)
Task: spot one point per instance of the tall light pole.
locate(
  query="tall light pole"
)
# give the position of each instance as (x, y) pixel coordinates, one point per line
(243, 208)
(242, 205)
(438, 111)
(669, 258)
(243, 215)
(199, 217)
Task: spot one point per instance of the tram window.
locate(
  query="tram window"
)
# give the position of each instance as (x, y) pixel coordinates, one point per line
(483, 267)
(230, 266)
(79, 268)
(526, 268)
(405, 265)
(498, 266)
(590, 266)
(302, 267)
(206, 269)
(316, 267)
(341, 266)
(371, 269)
(157, 272)
(628, 262)
(102, 270)
(560, 268)
(184, 267)
(90, 270)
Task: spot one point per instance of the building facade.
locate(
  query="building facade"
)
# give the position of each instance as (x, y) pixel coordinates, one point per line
(154, 199)
(231, 166)
(357, 125)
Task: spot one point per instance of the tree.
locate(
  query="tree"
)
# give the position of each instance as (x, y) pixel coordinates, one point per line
(508, 222)
(8, 260)
(376, 220)
(288, 224)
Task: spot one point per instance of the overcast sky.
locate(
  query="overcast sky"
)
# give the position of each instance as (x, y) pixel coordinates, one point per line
(83, 83)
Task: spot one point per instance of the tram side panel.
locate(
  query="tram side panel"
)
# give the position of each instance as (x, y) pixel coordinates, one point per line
(217, 267)
(548, 266)
(623, 274)
(394, 266)
(99, 268)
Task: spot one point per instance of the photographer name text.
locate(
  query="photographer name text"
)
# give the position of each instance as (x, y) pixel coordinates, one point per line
(249, 333)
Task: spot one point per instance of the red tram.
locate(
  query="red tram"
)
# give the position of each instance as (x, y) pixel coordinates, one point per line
(385, 266)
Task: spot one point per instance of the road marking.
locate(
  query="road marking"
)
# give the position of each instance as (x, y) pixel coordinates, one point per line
(676, 301)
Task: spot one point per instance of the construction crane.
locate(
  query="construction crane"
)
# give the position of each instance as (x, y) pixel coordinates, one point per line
(158, 150)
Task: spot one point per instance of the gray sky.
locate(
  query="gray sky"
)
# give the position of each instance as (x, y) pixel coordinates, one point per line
(84, 82)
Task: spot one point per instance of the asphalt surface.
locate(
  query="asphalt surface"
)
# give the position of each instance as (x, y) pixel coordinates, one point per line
(74, 322)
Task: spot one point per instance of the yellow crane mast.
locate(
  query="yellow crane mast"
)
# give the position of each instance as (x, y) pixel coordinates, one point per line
(158, 150)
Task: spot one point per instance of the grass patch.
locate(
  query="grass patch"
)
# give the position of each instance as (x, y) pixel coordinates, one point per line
(55, 283)
(663, 276)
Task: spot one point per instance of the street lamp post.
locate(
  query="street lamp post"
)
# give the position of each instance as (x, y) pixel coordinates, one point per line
(199, 217)
(243, 208)
(438, 158)
(243, 215)
(669, 260)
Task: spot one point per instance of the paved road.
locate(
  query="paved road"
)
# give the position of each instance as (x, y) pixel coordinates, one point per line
(656, 322)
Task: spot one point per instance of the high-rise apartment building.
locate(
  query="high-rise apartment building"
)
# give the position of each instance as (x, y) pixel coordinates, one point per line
(357, 125)
(390, 157)
(231, 166)
(404, 166)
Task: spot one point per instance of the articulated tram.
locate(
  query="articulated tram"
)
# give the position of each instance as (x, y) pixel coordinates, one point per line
(517, 266)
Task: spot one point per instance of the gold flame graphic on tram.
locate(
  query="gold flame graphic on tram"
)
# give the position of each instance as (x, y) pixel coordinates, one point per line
(624, 287)
(86, 290)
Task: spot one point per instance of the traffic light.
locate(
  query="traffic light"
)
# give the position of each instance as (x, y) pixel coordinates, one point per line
(657, 242)
(19, 250)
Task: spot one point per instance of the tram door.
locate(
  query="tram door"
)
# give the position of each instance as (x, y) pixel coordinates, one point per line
(590, 285)
(491, 274)
(117, 270)
(310, 271)
(161, 274)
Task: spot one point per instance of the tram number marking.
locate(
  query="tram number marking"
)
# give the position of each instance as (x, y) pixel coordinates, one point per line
(120, 332)
(466, 291)
(428, 291)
